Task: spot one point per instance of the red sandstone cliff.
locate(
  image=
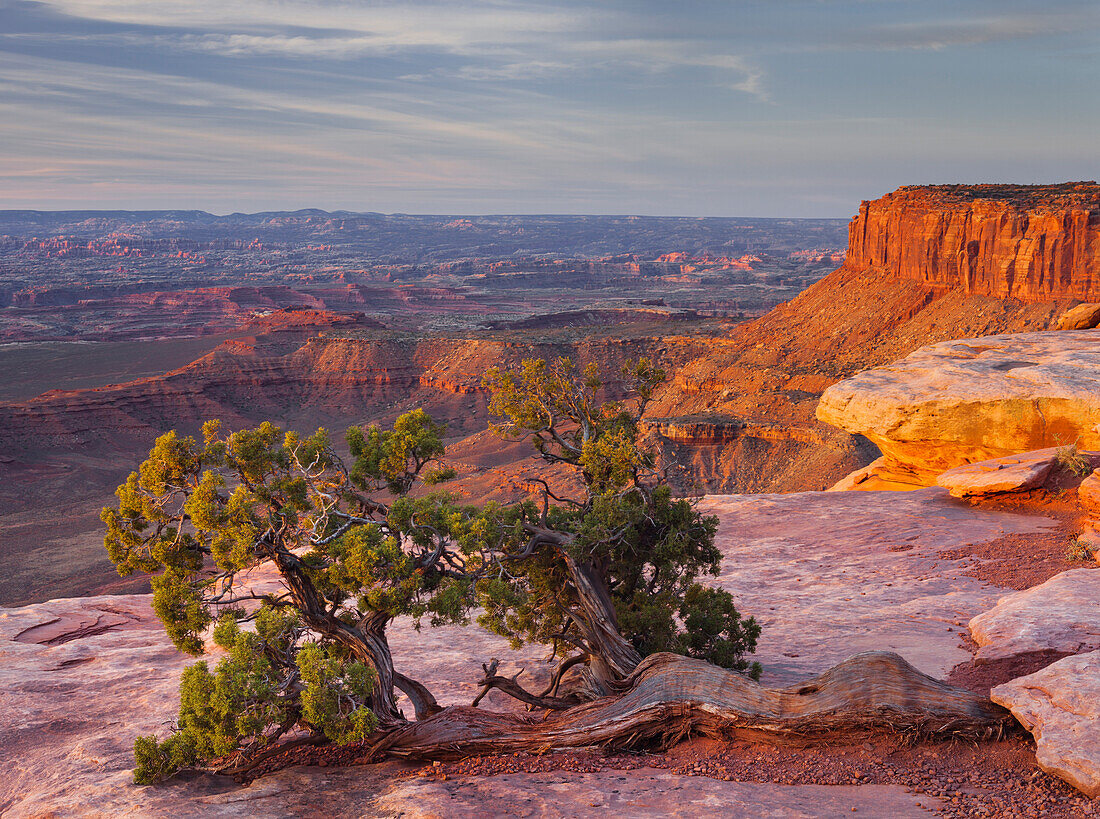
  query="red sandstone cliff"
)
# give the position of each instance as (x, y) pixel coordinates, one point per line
(1033, 243)
(924, 264)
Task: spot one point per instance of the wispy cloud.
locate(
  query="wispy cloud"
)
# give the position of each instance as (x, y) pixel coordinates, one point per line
(621, 105)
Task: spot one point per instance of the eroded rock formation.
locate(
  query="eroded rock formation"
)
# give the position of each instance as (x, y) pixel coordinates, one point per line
(1059, 705)
(1060, 615)
(1027, 242)
(974, 399)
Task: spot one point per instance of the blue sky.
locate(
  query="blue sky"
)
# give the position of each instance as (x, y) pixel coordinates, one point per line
(714, 107)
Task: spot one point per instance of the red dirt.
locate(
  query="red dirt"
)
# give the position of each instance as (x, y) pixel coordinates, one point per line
(980, 676)
(1021, 561)
(995, 778)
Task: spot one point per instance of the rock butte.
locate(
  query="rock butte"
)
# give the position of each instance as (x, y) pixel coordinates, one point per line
(970, 400)
(1028, 242)
(924, 264)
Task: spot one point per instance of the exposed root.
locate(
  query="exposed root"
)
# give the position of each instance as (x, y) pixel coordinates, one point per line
(669, 697)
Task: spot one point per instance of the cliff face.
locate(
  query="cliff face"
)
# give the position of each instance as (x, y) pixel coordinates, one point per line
(1032, 243)
(924, 265)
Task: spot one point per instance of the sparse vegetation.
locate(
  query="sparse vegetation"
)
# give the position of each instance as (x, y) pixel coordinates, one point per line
(1078, 549)
(1070, 459)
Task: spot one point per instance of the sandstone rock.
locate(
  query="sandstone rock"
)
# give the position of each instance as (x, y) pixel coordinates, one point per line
(1090, 538)
(1089, 491)
(828, 575)
(1060, 705)
(643, 794)
(971, 400)
(1062, 614)
(1081, 317)
(876, 476)
(1013, 473)
(1011, 241)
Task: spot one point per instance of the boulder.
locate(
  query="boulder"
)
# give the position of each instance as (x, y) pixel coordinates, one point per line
(970, 400)
(1060, 705)
(1089, 491)
(1062, 614)
(1082, 317)
(875, 476)
(1013, 473)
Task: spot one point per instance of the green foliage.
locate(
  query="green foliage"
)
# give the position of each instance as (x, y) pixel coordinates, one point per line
(645, 548)
(714, 630)
(1079, 550)
(250, 699)
(393, 459)
(612, 574)
(335, 690)
(198, 517)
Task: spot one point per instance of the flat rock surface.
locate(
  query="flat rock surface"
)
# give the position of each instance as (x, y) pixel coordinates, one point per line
(828, 575)
(641, 793)
(1060, 705)
(1011, 473)
(1062, 614)
(969, 400)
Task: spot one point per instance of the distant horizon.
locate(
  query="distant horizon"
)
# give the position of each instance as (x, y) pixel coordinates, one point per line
(425, 214)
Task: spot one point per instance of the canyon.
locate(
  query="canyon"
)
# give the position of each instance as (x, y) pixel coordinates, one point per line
(947, 306)
(737, 414)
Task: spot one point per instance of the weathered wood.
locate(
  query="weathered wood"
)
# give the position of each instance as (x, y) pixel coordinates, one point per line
(669, 696)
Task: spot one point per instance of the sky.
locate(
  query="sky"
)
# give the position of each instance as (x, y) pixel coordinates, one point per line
(796, 108)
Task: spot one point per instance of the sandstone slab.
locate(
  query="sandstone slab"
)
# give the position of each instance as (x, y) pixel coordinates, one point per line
(1012, 473)
(641, 794)
(974, 399)
(1060, 705)
(1062, 614)
(876, 476)
(828, 575)
(1089, 492)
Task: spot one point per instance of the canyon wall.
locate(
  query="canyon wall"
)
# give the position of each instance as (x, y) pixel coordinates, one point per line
(1032, 243)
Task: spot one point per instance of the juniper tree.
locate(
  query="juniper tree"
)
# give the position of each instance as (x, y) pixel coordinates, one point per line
(606, 577)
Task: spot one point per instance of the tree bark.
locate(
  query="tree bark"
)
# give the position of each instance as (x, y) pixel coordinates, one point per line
(366, 641)
(669, 697)
(615, 658)
(424, 704)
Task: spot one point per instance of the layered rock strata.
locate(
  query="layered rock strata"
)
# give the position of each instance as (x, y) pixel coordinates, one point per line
(1031, 243)
(924, 265)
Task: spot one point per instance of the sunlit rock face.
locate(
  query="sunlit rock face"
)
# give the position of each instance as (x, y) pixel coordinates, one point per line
(1061, 615)
(971, 400)
(1032, 243)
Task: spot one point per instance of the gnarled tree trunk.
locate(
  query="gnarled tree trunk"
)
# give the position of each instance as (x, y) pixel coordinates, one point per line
(670, 696)
(614, 658)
